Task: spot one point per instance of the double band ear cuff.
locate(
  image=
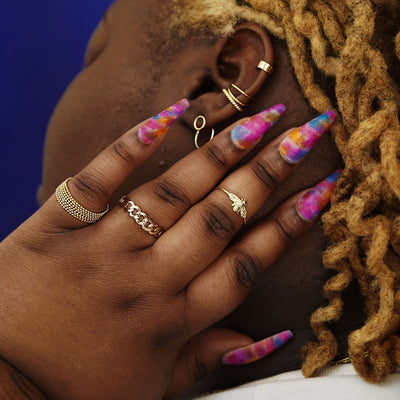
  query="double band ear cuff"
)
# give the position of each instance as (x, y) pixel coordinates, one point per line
(238, 104)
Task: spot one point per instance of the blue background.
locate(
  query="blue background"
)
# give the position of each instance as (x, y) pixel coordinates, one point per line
(42, 49)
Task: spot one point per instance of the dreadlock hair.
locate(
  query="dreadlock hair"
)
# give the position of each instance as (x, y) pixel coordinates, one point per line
(355, 44)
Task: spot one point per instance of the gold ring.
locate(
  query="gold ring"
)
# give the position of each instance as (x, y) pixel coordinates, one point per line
(140, 217)
(239, 205)
(72, 207)
(265, 67)
(242, 91)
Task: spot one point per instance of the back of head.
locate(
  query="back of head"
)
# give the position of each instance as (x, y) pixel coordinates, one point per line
(345, 55)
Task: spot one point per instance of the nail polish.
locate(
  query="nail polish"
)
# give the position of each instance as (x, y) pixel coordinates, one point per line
(256, 351)
(301, 140)
(252, 129)
(158, 126)
(315, 200)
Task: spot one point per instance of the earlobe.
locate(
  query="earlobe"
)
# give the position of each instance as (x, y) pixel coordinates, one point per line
(234, 74)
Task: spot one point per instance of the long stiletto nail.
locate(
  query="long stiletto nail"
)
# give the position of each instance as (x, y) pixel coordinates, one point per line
(301, 140)
(310, 205)
(256, 351)
(252, 129)
(157, 126)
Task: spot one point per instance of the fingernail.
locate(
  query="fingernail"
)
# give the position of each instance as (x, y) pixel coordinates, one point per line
(301, 140)
(252, 129)
(157, 126)
(256, 351)
(315, 200)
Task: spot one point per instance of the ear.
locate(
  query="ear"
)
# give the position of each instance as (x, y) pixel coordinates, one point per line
(229, 60)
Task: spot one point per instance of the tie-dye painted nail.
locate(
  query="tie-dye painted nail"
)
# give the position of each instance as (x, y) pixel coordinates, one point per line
(256, 351)
(157, 126)
(310, 205)
(301, 140)
(252, 129)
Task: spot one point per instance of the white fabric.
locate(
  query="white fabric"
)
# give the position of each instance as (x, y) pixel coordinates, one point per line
(336, 383)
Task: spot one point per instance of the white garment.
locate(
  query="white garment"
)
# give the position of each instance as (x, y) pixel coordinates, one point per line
(335, 383)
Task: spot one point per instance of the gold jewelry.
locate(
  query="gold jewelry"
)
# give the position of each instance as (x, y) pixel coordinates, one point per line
(72, 207)
(241, 91)
(198, 128)
(239, 205)
(233, 100)
(263, 65)
(340, 362)
(140, 217)
(236, 99)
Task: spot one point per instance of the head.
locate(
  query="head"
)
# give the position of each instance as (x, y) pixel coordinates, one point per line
(146, 55)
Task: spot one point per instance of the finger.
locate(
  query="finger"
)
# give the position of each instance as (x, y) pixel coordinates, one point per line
(93, 186)
(201, 355)
(210, 225)
(224, 285)
(168, 197)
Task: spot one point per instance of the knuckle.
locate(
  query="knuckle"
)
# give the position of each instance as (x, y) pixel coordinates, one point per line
(266, 173)
(89, 188)
(246, 270)
(218, 223)
(123, 151)
(285, 230)
(164, 337)
(200, 368)
(171, 193)
(217, 156)
(128, 302)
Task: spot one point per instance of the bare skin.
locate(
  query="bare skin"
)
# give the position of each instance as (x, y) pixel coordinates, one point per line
(91, 116)
(125, 318)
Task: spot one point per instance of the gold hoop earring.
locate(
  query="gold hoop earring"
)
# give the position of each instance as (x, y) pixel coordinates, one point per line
(199, 128)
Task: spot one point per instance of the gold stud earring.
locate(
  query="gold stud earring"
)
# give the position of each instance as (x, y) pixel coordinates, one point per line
(199, 124)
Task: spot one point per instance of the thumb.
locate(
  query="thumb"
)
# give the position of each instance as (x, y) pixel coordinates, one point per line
(200, 355)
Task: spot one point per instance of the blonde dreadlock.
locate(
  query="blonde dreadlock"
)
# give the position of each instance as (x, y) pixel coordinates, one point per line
(341, 39)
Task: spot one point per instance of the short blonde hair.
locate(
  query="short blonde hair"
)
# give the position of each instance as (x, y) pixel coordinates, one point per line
(355, 43)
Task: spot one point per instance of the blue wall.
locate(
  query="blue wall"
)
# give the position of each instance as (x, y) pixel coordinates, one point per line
(43, 44)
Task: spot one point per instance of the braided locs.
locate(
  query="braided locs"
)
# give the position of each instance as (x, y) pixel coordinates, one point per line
(355, 43)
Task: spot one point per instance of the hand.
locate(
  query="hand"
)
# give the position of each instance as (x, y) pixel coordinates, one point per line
(106, 310)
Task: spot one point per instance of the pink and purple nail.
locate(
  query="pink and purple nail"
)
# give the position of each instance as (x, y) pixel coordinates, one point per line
(301, 140)
(252, 129)
(157, 126)
(310, 205)
(256, 351)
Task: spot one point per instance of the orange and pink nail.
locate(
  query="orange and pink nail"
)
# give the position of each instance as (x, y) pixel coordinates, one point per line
(301, 140)
(310, 205)
(156, 127)
(252, 129)
(258, 350)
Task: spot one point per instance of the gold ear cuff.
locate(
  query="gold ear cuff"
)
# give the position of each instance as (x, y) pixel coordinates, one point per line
(238, 104)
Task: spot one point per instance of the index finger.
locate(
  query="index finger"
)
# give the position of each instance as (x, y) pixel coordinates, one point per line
(92, 187)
